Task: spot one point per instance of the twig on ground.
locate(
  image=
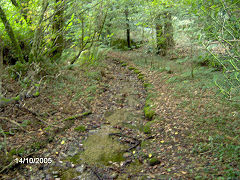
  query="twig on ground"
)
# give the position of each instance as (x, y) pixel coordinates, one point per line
(137, 142)
(13, 122)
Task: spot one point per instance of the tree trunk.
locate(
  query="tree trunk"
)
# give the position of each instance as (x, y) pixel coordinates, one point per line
(161, 40)
(168, 30)
(35, 53)
(11, 35)
(128, 28)
(101, 26)
(58, 39)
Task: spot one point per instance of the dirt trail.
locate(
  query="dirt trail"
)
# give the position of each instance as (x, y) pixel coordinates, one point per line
(113, 131)
(116, 141)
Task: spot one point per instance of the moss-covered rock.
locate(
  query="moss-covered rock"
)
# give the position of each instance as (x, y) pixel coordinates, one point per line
(154, 161)
(124, 64)
(137, 71)
(148, 102)
(36, 94)
(148, 112)
(100, 148)
(146, 85)
(131, 68)
(17, 98)
(140, 77)
(147, 129)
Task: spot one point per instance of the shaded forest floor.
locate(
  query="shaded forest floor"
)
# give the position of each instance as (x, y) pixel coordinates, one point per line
(90, 122)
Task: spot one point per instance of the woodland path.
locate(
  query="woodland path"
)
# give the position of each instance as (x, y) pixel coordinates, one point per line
(116, 141)
(112, 133)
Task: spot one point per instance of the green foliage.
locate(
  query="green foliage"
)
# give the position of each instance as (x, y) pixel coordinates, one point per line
(18, 70)
(37, 93)
(20, 152)
(26, 123)
(80, 128)
(122, 44)
(92, 56)
(220, 24)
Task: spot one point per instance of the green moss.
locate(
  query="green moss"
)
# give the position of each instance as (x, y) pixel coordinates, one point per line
(75, 159)
(147, 129)
(19, 151)
(48, 128)
(16, 98)
(148, 102)
(5, 100)
(80, 128)
(37, 145)
(148, 112)
(137, 71)
(145, 144)
(151, 96)
(69, 174)
(124, 64)
(154, 161)
(134, 168)
(25, 123)
(144, 177)
(95, 75)
(140, 77)
(100, 148)
(36, 94)
(122, 43)
(37, 85)
(78, 116)
(146, 85)
(105, 158)
(131, 68)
